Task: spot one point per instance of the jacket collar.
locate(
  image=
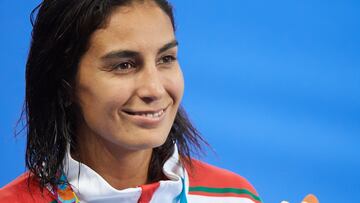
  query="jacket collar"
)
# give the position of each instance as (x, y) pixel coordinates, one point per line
(87, 186)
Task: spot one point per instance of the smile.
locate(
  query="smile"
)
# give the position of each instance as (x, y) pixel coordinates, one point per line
(147, 119)
(156, 114)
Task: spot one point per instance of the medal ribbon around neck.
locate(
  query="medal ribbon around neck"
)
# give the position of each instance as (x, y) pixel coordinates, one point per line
(65, 194)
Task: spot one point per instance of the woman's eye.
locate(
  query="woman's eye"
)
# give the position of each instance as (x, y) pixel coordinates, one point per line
(124, 67)
(167, 59)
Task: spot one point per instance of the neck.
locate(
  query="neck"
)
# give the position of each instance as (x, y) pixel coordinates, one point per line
(120, 168)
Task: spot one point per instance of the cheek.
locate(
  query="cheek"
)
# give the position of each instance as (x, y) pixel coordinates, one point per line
(100, 106)
(175, 85)
(102, 99)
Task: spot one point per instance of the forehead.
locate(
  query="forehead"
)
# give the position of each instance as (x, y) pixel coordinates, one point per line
(139, 26)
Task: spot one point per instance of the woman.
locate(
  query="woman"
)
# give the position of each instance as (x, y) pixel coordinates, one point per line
(103, 93)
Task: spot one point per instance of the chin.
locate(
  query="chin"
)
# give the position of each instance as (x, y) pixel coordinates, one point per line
(143, 142)
(153, 143)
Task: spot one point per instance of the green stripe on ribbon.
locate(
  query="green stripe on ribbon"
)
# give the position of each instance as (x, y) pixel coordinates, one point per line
(224, 190)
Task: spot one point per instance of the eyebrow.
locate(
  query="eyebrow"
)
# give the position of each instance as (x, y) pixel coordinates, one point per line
(168, 46)
(130, 53)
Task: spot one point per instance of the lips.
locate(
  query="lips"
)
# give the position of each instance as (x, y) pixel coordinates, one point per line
(150, 114)
(146, 118)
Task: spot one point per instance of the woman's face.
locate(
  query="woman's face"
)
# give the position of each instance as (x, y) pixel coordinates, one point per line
(129, 84)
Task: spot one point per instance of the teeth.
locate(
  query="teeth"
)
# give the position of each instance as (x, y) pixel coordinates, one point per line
(152, 115)
(149, 115)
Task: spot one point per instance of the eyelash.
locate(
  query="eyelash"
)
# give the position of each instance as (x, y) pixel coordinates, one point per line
(168, 59)
(120, 66)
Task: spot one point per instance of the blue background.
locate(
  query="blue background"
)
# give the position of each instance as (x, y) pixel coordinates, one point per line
(274, 86)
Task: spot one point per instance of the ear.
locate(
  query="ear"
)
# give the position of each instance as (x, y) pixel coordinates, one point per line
(310, 198)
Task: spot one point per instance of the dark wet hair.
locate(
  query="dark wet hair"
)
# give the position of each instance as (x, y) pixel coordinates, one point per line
(60, 36)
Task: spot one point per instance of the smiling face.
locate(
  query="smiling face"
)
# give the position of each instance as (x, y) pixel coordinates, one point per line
(129, 84)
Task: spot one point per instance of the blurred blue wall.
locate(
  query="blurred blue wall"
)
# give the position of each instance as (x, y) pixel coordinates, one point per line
(274, 86)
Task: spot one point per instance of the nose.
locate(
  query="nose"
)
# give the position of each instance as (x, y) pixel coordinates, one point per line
(150, 85)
